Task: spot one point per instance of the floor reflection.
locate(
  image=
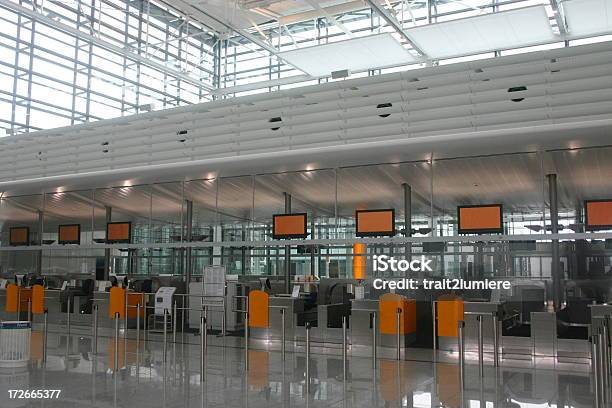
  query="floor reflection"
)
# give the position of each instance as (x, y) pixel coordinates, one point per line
(144, 378)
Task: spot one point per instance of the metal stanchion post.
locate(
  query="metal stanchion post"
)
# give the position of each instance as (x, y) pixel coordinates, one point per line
(223, 319)
(116, 359)
(461, 347)
(18, 303)
(95, 329)
(495, 340)
(203, 347)
(144, 323)
(45, 331)
(398, 327)
(307, 376)
(374, 340)
(165, 333)
(174, 322)
(68, 309)
(434, 320)
(138, 324)
(480, 347)
(282, 312)
(29, 310)
(344, 360)
(246, 339)
(595, 371)
(602, 367)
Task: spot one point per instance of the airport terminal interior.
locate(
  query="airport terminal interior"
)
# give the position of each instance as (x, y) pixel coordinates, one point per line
(306, 203)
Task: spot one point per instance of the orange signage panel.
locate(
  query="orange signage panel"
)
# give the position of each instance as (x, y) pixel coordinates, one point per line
(477, 219)
(370, 223)
(598, 214)
(69, 234)
(119, 232)
(290, 226)
(19, 236)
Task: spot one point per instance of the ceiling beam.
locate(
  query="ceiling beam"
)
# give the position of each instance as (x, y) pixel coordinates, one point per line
(558, 17)
(34, 15)
(392, 21)
(202, 16)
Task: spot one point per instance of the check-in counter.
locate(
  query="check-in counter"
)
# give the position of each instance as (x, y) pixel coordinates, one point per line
(291, 306)
(485, 311)
(360, 324)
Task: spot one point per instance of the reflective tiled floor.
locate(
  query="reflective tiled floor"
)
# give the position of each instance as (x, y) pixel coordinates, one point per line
(144, 380)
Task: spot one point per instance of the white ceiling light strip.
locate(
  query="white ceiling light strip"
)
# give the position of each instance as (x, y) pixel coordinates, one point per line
(484, 33)
(356, 54)
(588, 17)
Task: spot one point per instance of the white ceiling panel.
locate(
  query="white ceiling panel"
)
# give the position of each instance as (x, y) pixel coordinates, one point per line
(356, 54)
(588, 17)
(488, 32)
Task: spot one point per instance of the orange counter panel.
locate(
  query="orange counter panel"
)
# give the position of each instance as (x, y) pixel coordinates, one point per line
(450, 311)
(116, 303)
(38, 299)
(388, 305)
(258, 309)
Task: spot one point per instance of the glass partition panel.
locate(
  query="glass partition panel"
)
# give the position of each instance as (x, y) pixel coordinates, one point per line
(124, 204)
(203, 196)
(20, 212)
(515, 181)
(582, 174)
(311, 192)
(379, 187)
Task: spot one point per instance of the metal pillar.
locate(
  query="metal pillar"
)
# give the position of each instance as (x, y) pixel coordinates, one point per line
(287, 248)
(107, 251)
(554, 221)
(307, 376)
(95, 329)
(480, 347)
(407, 215)
(188, 255)
(374, 340)
(41, 223)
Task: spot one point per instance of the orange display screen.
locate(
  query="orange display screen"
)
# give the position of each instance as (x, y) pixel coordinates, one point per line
(69, 234)
(290, 226)
(598, 214)
(118, 232)
(480, 219)
(19, 236)
(375, 223)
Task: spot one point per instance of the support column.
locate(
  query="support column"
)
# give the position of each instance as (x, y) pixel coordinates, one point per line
(313, 258)
(107, 251)
(287, 248)
(41, 225)
(556, 259)
(407, 217)
(187, 238)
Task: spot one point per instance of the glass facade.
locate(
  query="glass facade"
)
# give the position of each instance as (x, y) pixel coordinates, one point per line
(69, 62)
(83, 60)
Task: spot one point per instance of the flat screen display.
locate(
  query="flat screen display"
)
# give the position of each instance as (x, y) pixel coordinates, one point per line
(290, 226)
(479, 219)
(69, 234)
(371, 223)
(598, 214)
(19, 236)
(119, 232)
